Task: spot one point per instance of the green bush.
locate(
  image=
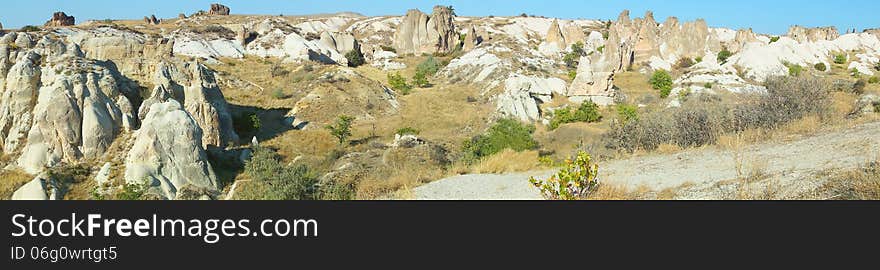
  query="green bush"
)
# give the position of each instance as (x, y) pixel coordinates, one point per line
(278, 93)
(355, 58)
(577, 180)
(699, 59)
(708, 85)
(840, 59)
(627, 112)
(246, 124)
(774, 39)
(820, 67)
(398, 83)
(429, 67)
(407, 131)
(571, 60)
(723, 55)
(795, 70)
(874, 80)
(504, 134)
(272, 180)
(342, 128)
(388, 48)
(588, 112)
(578, 48)
(661, 80)
(572, 74)
(420, 80)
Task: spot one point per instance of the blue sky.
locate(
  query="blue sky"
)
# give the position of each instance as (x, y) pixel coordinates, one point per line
(765, 16)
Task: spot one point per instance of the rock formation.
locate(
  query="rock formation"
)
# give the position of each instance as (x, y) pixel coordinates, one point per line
(60, 19)
(555, 37)
(803, 34)
(167, 153)
(40, 189)
(472, 39)
(420, 33)
(522, 96)
(193, 85)
(218, 9)
(151, 20)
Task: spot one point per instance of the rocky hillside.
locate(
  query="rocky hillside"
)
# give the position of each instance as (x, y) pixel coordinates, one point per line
(160, 101)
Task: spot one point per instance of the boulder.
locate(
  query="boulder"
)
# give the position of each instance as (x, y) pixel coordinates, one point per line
(218, 9)
(419, 33)
(60, 19)
(167, 152)
(523, 95)
(472, 39)
(35, 190)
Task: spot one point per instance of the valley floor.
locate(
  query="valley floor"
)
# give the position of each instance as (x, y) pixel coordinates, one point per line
(775, 170)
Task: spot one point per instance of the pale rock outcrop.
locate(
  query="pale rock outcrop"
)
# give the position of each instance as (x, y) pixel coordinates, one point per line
(60, 19)
(194, 85)
(167, 153)
(218, 9)
(19, 85)
(132, 53)
(40, 189)
(151, 20)
(554, 40)
(804, 34)
(479, 66)
(472, 39)
(594, 80)
(420, 33)
(523, 95)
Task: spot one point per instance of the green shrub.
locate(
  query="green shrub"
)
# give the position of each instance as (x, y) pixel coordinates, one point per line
(278, 94)
(859, 86)
(429, 67)
(874, 80)
(588, 112)
(133, 191)
(661, 80)
(774, 39)
(30, 28)
(699, 59)
(877, 107)
(820, 67)
(877, 66)
(840, 59)
(246, 124)
(708, 85)
(795, 70)
(578, 48)
(355, 58)
(571, 60)
(576, 181)
(342, 128)
(504, 134)
(627, 112)
(272, 180)
(398, 83)
(572, 74)
(600, 49)
(407, 131)
(684, 63)
(420, 80)
(855, 73)
(723, 55)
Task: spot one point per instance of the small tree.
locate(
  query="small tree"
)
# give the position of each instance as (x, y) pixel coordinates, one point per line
(576, 181)
(355, 58)
(398, 83)
(420, 80)
(627, 113)
(342, 128)
(661, 80)
(723, 55)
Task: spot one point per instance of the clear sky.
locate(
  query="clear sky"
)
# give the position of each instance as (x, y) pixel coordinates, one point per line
(764, 16)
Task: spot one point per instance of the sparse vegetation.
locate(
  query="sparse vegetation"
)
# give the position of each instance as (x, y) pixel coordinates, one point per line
(572, 58)
(504, 134)
(30, 28)
(820, 67)
(587, 112)
(574, 182)
(398, 83)
(840, 59)
(247, 124)
(407, 131)
(794, 70)
(278, 94)
(627, 113)
(272, 180)
(342, 128)
(859, 184)
(661, 80)
(133, 191)
(774, 39)
(684, 63)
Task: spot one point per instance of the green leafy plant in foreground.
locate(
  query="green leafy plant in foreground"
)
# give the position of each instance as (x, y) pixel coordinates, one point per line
(576, 181)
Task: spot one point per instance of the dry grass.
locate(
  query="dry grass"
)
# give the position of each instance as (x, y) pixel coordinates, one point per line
(11, 180)
(396, 182)
(858, 184)
(611, 192)
(508, 161)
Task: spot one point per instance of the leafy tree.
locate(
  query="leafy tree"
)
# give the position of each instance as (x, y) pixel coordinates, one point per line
(420, 80)
(355, 58)
(661, 80)
(342, 128)
(723, 55)
(398, 83)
